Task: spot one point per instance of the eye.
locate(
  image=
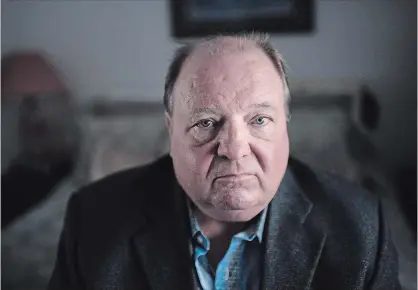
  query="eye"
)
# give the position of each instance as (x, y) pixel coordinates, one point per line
(207, 123)
(260, 121)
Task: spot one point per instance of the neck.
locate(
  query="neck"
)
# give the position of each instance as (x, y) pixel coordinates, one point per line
(219, 233)
(215, 229)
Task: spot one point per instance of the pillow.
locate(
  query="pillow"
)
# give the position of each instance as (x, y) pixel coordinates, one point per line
(110, 157)
(118, 143)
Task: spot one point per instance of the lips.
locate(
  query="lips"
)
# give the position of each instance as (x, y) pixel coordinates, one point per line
(235, 177)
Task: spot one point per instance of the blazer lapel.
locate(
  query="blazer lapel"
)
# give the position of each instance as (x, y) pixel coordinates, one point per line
(294, 239)
(163, 245)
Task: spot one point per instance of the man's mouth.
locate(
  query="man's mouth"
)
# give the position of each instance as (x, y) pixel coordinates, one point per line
(235, 177)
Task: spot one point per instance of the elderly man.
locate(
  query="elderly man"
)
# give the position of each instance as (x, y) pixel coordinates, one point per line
(229, 209)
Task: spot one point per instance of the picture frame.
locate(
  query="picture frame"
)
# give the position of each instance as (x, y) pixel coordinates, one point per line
(196, 18)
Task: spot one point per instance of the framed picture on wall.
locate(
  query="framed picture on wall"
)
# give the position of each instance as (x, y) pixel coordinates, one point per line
(194, 18)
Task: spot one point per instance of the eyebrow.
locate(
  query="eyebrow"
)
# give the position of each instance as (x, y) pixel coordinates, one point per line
(199, 111)
(263, 105)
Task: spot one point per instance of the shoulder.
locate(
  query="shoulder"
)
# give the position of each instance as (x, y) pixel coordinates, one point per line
(358, 234)
(345, 207)
(126, 182)
(324, 187)
(120, 197)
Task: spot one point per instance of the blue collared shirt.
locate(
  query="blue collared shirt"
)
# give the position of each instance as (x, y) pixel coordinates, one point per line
(240, 268)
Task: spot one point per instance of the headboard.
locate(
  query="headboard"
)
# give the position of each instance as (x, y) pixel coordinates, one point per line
(122, 134)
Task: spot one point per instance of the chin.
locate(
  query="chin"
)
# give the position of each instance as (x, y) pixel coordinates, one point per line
(235, 205)
(234, 215)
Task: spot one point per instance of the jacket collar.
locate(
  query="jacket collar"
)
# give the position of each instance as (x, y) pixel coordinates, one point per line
(163, 241)
(292, 237)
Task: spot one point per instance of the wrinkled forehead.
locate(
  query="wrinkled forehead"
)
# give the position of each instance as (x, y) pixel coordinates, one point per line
(236, 77)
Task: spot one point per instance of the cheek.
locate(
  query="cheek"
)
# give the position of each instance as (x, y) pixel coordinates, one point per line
(281, 144)
(263, 134)
(272, 153)
(199, 137)
(195, 160)
(281, 153)
(201, 158)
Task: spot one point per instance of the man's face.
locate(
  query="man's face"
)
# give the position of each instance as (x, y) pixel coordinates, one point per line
(228, 133)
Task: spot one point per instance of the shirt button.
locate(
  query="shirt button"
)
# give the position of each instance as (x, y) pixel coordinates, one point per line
(226, 274)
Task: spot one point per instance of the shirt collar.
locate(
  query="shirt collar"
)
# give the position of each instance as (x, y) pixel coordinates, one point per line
(193, 220)
(255, 229)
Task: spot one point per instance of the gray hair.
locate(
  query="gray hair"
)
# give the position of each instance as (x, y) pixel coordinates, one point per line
(259, 40)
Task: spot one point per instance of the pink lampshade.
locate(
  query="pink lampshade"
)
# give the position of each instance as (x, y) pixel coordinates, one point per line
(28, 73)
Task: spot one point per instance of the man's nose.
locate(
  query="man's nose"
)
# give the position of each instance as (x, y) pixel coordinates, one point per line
(234, 142)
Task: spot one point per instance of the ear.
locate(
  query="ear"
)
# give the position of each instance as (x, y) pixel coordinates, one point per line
(168, 125)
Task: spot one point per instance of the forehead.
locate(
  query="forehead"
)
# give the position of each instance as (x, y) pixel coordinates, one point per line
(232, 80)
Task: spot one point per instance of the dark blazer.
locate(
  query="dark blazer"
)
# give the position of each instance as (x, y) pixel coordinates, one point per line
(131, 231)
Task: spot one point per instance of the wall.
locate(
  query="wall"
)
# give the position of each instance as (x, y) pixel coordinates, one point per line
(122, 48)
